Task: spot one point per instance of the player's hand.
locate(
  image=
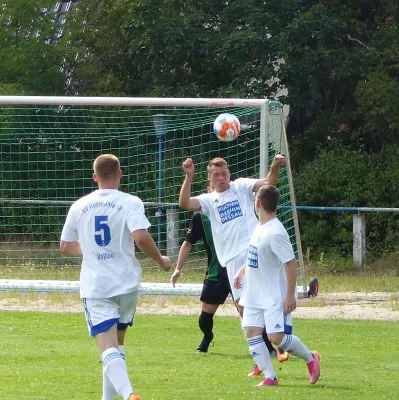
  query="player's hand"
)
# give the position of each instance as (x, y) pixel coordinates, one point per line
(279, 159)
(166, 263)
(188, 167)
(175, 276)
(238, 279)
(289, 303)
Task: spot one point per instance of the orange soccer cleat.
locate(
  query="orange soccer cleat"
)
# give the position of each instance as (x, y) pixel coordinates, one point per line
(282, 356)
(255, 371)
(134, 397)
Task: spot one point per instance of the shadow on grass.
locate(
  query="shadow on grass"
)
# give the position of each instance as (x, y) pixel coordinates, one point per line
(233, 356)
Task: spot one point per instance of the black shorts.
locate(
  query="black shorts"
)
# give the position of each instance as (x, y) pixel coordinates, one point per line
(215, 292)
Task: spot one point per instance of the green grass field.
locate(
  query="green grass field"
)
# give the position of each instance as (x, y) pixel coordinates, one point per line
(51, 356)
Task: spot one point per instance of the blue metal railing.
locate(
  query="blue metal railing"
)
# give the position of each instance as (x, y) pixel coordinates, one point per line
(349, 209)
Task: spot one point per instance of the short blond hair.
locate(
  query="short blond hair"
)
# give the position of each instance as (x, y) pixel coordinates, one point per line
(217, 162)
(106, 166)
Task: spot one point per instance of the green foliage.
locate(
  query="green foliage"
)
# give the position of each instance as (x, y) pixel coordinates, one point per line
(338, 60)
(332, 265)
(378, 103)
(339, 176)
(329, 49)
(180, 49)
(28, 58)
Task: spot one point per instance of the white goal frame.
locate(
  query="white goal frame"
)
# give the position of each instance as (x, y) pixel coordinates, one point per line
(161, 288)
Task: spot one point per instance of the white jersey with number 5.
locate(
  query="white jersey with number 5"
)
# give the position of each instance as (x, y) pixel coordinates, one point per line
(103, 222)
(265, 277)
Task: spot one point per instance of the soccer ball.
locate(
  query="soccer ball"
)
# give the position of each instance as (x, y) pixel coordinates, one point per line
(226, 127)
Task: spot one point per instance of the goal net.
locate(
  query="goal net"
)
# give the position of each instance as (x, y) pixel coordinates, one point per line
(48, 145)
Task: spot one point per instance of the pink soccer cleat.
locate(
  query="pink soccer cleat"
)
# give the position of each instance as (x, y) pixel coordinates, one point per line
(269, 382)
(314, 368)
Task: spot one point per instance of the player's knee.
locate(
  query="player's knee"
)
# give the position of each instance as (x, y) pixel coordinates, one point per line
(205, 316)
(209, 308)
(252, 331)
(276, 337)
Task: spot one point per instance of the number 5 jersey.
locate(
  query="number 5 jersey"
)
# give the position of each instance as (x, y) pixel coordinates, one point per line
(103, 222)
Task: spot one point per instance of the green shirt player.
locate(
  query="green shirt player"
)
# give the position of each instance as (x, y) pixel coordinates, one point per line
(216, 286)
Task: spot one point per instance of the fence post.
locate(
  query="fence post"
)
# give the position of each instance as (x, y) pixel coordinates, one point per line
(359, 240)
(172, 232)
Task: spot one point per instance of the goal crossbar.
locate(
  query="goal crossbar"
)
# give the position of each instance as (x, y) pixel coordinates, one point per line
(133, 101)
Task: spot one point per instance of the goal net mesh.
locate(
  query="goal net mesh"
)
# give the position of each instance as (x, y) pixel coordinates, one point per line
(46, 156)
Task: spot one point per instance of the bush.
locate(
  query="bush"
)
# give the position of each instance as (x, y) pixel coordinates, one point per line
(342, 177)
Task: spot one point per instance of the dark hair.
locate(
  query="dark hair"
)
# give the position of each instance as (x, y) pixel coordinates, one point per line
(269, 196)
(106, 166)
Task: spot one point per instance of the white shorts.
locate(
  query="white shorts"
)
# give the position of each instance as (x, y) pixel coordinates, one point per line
(232, 266)
(275, 321)
(102, 314)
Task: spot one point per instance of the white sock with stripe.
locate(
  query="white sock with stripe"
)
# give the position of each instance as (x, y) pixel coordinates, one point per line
(109, 391)
(294, 345)
(115, 370)
(261, 356)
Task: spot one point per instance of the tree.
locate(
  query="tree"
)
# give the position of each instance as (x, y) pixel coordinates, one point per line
(179, 48)
(29, 62)
(338, 59)
(331, 48)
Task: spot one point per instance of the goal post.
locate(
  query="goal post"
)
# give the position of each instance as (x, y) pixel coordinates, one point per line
(48, 145)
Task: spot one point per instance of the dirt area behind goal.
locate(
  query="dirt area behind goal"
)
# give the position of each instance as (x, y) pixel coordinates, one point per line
(348, 305)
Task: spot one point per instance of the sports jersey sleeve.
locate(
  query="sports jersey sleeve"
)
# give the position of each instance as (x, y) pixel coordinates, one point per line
(282, 247)
(245, 185)
(136, 218)
(195, 231)
(205, 202)
(70, 229)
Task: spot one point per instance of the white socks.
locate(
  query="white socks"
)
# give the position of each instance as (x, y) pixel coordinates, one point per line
(261, 356)
(294, 345)
(121, 349)
(115, 375)
(109, 391)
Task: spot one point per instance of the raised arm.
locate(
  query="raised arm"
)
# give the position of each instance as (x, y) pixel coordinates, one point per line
(185, 200)
(273, 175)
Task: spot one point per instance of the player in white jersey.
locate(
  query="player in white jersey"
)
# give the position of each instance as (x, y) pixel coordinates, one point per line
(230, 208)
(103, 227)
(269, 294)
